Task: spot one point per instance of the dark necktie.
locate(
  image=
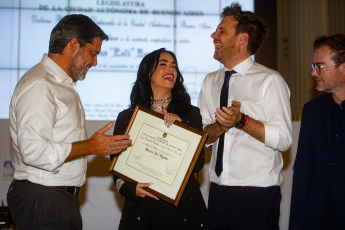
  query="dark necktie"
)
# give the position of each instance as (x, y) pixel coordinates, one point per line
(223, 102)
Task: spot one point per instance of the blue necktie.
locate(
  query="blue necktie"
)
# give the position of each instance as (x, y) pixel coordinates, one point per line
(223, 102)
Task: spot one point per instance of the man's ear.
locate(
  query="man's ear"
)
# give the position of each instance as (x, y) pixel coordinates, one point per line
(74, 45)
(342, 67)
(243, 39)
(341, 70)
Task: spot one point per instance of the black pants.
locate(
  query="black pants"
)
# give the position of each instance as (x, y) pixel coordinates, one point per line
(37, 207)
(244, 208)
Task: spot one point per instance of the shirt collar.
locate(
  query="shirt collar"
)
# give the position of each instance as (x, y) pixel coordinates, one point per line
(55, 70)
(243, 67)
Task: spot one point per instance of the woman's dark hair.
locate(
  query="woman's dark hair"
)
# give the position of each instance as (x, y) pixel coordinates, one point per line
(142, 93)
(74, 26)
(336, 42)
(248, 22)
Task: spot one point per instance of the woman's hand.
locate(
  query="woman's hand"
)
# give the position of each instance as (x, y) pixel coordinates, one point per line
(141, 192)
(170, 118)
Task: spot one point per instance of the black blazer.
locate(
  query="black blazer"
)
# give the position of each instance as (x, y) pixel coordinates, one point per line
(319, 167)
(191, 212)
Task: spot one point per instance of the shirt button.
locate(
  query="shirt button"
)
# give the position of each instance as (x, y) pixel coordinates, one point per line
(330, 163)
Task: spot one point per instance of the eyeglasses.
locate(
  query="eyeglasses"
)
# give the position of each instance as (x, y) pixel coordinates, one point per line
(319, 67)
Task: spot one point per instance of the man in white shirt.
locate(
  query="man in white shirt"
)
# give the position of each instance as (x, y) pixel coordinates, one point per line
(47, 125)
(251, 124)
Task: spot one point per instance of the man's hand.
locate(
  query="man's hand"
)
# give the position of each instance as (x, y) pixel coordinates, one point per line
(103, 144)
(228, 117)
(100, 144)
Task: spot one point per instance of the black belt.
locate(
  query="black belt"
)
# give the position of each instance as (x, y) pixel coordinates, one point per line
(71, 189)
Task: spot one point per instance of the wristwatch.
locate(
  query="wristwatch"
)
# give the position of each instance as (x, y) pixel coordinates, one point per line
(240, 124)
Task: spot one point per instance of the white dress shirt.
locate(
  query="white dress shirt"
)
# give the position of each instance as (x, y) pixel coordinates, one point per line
(46, 116)
(265, 97)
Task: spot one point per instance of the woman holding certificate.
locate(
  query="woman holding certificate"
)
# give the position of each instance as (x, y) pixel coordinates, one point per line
(159, 87)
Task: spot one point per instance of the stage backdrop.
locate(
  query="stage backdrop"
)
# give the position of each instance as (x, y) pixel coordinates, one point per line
(135, 28)
(101, 203)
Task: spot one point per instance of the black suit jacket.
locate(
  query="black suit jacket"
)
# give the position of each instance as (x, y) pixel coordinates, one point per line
(319, 167)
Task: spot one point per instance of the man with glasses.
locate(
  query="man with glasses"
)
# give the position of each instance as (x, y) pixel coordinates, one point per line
(318, 193)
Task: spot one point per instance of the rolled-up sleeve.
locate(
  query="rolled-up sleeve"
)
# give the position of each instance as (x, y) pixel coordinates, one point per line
(278, 127)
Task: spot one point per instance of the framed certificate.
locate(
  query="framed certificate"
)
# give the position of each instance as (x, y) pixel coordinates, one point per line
(158, 154)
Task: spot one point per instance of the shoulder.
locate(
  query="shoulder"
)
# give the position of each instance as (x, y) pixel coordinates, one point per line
(212, 80)
(317, 103)
(125, 114)
(122, 121)
(258, 69)
(194, 110)
(34, 85)
(222, 70)
(213, 75)
(315, 112)
(36, 74)
(266, 78)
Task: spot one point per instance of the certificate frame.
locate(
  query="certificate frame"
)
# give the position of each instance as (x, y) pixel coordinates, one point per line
(164, 156)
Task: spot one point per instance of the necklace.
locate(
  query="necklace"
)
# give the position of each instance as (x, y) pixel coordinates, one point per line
(159, 108)
(160, 101)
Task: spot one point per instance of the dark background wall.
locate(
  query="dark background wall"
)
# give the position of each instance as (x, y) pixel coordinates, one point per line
(267, 54)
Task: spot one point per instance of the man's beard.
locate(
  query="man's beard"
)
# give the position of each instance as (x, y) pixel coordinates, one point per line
(76, 69)
(227, 51)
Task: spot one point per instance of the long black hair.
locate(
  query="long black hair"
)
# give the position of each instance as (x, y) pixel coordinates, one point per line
(142, 93)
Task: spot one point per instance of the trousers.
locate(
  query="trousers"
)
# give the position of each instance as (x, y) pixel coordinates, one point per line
(36, 207)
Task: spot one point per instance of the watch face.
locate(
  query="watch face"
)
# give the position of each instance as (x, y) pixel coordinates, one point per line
(240, 124)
